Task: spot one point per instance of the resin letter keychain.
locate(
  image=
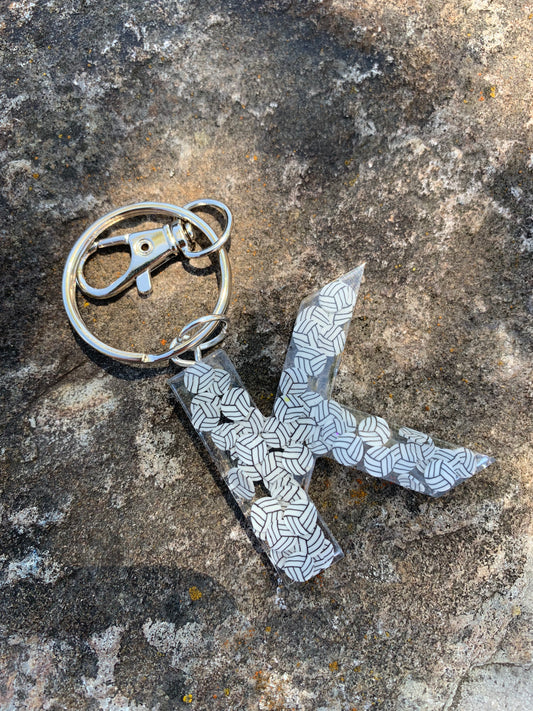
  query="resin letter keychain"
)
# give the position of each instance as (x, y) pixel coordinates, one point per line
(267, 462)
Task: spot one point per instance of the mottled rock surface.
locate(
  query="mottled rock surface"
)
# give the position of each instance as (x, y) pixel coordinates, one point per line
(397, 133)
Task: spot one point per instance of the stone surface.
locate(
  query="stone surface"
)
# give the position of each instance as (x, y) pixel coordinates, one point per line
(394, 133)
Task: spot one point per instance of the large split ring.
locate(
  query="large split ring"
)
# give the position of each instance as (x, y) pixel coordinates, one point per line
(149, 249)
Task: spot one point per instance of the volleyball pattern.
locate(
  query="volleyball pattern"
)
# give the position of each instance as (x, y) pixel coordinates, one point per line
(280, 451)
(270, 450)
(408, 458)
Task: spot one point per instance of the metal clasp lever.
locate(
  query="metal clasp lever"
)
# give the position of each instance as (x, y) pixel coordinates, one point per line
(149, 249)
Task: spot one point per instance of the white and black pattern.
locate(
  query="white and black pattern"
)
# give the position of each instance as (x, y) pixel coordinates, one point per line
(315, 442)
(311, 398)
(221, 382)
(304, 427)
(409, 482)
(277, 433)
(286, 545)
(374, 431)
(251, 471)
(285, 489)
(319, 412)
(331, 340)
(336, 296)
(299, 519)
(293, 381)
(265, 516)
(379, 461)
(344, 415)
(439, 475)
(324, 557)
(240, 485)
(299, 567)
(414, 435)
(236, 404)
(310, 361)
(342, 316)
(289, 407)
(410, 454)
(348, 450)
(461, 460)
(441, 453)
(204, 421)
(315, 542)
(225, 435)
(251, 449)
(422, 440)
(256, 421)
(206, 401)
(199, 377)
(315, 314)
(464, 462)
(331, 430)
(205, 412)
(428, 449)
(306, 334)
(277, 557)
(270, 468)
(296, 458)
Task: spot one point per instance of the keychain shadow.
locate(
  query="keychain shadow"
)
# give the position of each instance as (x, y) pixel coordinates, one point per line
(223, 489)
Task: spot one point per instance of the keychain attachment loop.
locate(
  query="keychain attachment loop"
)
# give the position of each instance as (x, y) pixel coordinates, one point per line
(149, 249)
(183, 338)
(221, 241)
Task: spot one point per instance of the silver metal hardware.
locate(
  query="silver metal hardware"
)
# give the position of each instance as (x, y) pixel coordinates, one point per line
(149, 249)
(185, 245)
(184, 337)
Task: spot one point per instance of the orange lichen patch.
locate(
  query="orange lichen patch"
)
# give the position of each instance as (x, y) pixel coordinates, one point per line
(358, 495)
(194, 593)
(261, 682)
(333, 666)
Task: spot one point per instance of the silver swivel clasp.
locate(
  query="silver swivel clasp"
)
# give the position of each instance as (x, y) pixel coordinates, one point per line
(149, 249)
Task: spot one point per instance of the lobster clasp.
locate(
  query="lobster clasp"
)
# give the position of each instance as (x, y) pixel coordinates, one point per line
(149, 249)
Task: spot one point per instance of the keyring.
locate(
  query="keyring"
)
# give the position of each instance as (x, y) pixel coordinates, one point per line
(149, 249)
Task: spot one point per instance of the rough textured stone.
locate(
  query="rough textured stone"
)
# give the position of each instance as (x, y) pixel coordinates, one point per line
(337, 132)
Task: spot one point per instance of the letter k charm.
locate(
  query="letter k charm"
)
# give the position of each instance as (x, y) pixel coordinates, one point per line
(267, 462)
